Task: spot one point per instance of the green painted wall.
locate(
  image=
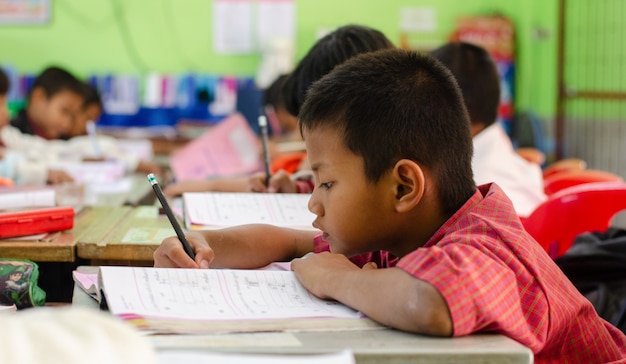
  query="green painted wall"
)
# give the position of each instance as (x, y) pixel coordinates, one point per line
(176, 36)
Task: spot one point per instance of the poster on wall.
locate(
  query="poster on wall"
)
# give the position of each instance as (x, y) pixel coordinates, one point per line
(24, 11)
(232, 27)
(250, 26)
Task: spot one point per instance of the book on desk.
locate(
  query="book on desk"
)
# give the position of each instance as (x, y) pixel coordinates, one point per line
(26, 196)
(200, 301)
(212, 210)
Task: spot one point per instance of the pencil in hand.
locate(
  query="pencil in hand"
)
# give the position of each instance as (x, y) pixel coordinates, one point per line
(266, 153)
(170, 215)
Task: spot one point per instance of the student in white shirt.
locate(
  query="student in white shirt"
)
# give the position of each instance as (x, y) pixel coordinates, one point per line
(42, 152)
(495, 159)
(20, 167)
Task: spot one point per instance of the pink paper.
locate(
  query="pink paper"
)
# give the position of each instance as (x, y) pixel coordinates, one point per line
(227, 149)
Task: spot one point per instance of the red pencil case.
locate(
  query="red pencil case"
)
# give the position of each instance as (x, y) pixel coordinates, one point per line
(36, 221)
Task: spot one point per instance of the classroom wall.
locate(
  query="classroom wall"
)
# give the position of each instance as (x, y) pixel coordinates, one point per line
(139, 36)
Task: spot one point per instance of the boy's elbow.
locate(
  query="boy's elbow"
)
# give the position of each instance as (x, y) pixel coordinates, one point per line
(431, 313)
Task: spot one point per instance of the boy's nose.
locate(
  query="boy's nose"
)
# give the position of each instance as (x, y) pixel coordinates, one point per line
(314, 205)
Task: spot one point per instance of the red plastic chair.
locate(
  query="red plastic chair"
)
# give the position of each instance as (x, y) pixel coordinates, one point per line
(573, 211)
(558, 181)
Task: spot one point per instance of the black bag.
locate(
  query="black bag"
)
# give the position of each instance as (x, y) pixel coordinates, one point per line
(596, 264)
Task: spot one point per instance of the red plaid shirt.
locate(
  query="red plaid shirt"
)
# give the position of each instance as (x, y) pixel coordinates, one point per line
(496, 279)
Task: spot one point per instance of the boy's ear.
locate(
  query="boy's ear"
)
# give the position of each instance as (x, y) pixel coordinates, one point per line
(409, 184)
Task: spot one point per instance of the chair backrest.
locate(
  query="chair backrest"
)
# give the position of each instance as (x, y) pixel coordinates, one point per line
(558, 181)
(573, 211)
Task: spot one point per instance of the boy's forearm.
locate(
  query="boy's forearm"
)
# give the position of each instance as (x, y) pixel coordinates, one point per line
(394, 298)
(254, 246)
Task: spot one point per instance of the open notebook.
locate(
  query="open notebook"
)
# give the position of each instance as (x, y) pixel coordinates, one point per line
(210, 210)
(195, 301)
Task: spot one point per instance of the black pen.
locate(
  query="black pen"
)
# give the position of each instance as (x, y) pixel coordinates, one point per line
(170, 216)
(266, 153)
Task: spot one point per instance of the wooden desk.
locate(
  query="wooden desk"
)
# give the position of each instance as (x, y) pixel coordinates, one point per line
(53, 247)
(55, 254)
(368, 346)
(124, 235)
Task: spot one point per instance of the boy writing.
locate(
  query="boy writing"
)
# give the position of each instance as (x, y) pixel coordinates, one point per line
(388, 138)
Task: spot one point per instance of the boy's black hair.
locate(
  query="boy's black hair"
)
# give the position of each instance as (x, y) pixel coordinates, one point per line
(477, 76)
(273, 93)
(4, 82)
(329, 51)
(54, 80)
(395, 104)
(91, 96)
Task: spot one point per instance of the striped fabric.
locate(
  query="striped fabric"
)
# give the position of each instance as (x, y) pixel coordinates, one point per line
(496, 279)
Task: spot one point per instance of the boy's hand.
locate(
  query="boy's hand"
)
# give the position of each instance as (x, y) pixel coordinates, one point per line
(57, 177)
(170, 254)
(316, 272)
(280, 182)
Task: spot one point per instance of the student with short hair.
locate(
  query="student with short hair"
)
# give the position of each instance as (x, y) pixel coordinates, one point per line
(406, 236)
(78, 147)
(18, 166)
(52, 104)
(331, 50)
(494, 159)
(91, 110)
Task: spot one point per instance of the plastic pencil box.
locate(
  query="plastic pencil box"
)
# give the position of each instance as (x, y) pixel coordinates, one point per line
(35, 221)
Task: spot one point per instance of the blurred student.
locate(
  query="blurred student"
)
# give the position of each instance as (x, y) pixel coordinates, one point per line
(55, 149)
(329, 51)
(495, 159)
(91, 110)
(16, 166)
(52, 104)
(81, 146)
(406, 236)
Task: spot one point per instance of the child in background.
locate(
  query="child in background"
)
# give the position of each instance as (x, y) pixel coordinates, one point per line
(406, 236)
(494, 159)
(90, 110)
(80, 145)
(329, 51)
(17, 166)
(52, 104)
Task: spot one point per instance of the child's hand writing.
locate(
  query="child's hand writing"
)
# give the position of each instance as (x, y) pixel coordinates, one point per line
(280, 182)
(170, 254)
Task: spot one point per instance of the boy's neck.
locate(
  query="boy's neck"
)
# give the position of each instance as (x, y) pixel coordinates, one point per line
(416, 228)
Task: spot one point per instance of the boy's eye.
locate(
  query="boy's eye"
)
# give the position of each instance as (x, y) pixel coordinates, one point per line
(326, 185)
